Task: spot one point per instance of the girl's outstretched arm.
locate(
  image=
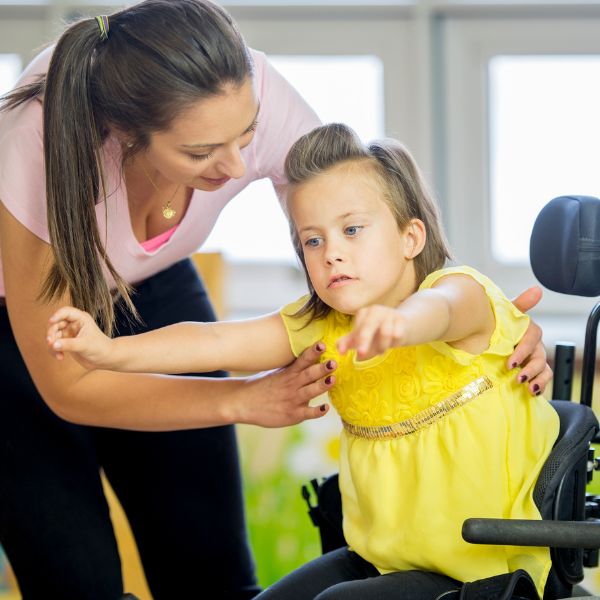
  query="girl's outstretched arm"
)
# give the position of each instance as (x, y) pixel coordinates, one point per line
(456, 310)
(250, 345)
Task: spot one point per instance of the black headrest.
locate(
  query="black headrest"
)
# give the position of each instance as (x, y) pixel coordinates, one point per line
(565, 245)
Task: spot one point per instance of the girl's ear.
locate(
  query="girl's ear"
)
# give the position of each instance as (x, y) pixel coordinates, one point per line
(415, 237)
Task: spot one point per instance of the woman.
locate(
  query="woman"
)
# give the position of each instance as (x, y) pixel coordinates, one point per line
(114, 165)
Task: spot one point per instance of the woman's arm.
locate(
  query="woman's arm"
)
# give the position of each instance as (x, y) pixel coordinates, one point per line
(249, 345)
(455, 310)
(140, 401)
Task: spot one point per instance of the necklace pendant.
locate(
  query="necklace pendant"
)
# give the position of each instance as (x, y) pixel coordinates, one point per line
(168, 212)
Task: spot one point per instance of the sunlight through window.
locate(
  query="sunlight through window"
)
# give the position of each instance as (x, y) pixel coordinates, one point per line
(10, 68)
(544, 141)
(348, 89)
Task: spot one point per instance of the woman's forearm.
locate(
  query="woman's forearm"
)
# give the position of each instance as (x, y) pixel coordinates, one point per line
(148, 402)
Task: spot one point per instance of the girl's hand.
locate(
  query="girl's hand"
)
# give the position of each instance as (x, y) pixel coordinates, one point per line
(74, 331)
(530, 353)
(376, 329)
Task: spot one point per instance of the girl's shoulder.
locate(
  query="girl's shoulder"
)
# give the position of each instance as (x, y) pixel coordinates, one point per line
(433, 277)
(510, 322)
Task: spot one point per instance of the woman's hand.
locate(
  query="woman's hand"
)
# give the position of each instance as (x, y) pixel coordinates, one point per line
(281, 397)
(530, 353)
(74, 331)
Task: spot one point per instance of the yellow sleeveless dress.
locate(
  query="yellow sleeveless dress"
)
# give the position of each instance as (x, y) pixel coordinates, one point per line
(434, 435)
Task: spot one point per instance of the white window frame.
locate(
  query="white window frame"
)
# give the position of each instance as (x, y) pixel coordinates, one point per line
(387, 32)
(468, 41)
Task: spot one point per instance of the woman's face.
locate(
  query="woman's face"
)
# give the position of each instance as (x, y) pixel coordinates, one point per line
(202, 147)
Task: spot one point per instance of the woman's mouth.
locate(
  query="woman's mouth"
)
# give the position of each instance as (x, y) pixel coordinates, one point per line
(219, 181)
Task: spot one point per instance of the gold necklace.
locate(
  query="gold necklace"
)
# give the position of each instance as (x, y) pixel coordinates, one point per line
(168, 212)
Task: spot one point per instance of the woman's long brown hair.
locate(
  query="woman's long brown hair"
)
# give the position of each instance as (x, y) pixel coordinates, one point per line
(160, 57)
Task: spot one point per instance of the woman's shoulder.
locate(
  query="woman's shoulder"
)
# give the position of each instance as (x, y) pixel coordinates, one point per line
(283, 117)
(38, 66)
(28, 116)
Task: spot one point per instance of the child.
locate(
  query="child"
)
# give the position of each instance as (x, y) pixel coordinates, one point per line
(435, 430)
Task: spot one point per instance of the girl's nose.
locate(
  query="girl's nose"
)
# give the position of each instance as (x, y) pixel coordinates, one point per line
(333, 255)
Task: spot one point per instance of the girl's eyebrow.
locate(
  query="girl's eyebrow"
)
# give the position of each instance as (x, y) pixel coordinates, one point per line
(354, 213)
(221, 143)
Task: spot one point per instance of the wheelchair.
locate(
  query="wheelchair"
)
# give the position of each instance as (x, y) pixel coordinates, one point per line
(565, 257)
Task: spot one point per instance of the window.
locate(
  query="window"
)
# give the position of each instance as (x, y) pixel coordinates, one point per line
(519, 127)
(544, 136)
(339, 88)
(10, 68)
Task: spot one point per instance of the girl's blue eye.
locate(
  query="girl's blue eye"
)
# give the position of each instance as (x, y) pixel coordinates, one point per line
(312, 242)
(352, 230)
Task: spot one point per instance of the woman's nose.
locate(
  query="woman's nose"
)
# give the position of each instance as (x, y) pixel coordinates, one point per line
(232, 163)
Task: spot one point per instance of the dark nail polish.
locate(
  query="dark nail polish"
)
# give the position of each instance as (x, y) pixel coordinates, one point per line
(330, 365)
(328, 379)
(536, 387)
(522, 378)
(322, 408)
(320, 347)
(513, 365)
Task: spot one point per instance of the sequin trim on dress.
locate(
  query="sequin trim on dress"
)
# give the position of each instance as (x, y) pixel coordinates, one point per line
(425, 417)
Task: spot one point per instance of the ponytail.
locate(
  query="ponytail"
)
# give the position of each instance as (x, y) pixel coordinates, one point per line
(133, 72)
(73, 140)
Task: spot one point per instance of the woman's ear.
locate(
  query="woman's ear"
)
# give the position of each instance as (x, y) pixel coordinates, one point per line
(415, 237)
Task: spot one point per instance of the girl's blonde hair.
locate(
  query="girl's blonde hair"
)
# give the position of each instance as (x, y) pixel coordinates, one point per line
(399, 178)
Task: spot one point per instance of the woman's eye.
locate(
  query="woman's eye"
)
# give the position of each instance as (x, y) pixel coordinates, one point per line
(200, 156)
(252, 128)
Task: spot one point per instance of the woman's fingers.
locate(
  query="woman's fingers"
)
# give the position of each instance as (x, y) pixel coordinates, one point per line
(536, 372)
(308, 358)
(281, 398)
(538, 384)
(530, 343)
(526, 300)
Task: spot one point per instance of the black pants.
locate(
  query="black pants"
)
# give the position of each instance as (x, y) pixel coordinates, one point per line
(343, 575)
(181, 491)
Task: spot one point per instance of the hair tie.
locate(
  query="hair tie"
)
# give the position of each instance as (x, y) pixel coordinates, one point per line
(103, 26)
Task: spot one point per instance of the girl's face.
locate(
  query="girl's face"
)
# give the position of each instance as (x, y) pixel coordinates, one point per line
(202, 147)
(354, 252)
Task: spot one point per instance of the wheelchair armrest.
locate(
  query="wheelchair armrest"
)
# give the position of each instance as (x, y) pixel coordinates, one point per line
(523, 532)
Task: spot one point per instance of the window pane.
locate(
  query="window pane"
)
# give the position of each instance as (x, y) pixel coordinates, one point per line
(339, 88)
(10, 68)
(544, 141)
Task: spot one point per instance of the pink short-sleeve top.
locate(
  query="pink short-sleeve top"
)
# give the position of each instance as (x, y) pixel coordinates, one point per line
(284, 116)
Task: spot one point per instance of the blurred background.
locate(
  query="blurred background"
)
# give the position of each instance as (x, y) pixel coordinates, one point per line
(498, 101)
